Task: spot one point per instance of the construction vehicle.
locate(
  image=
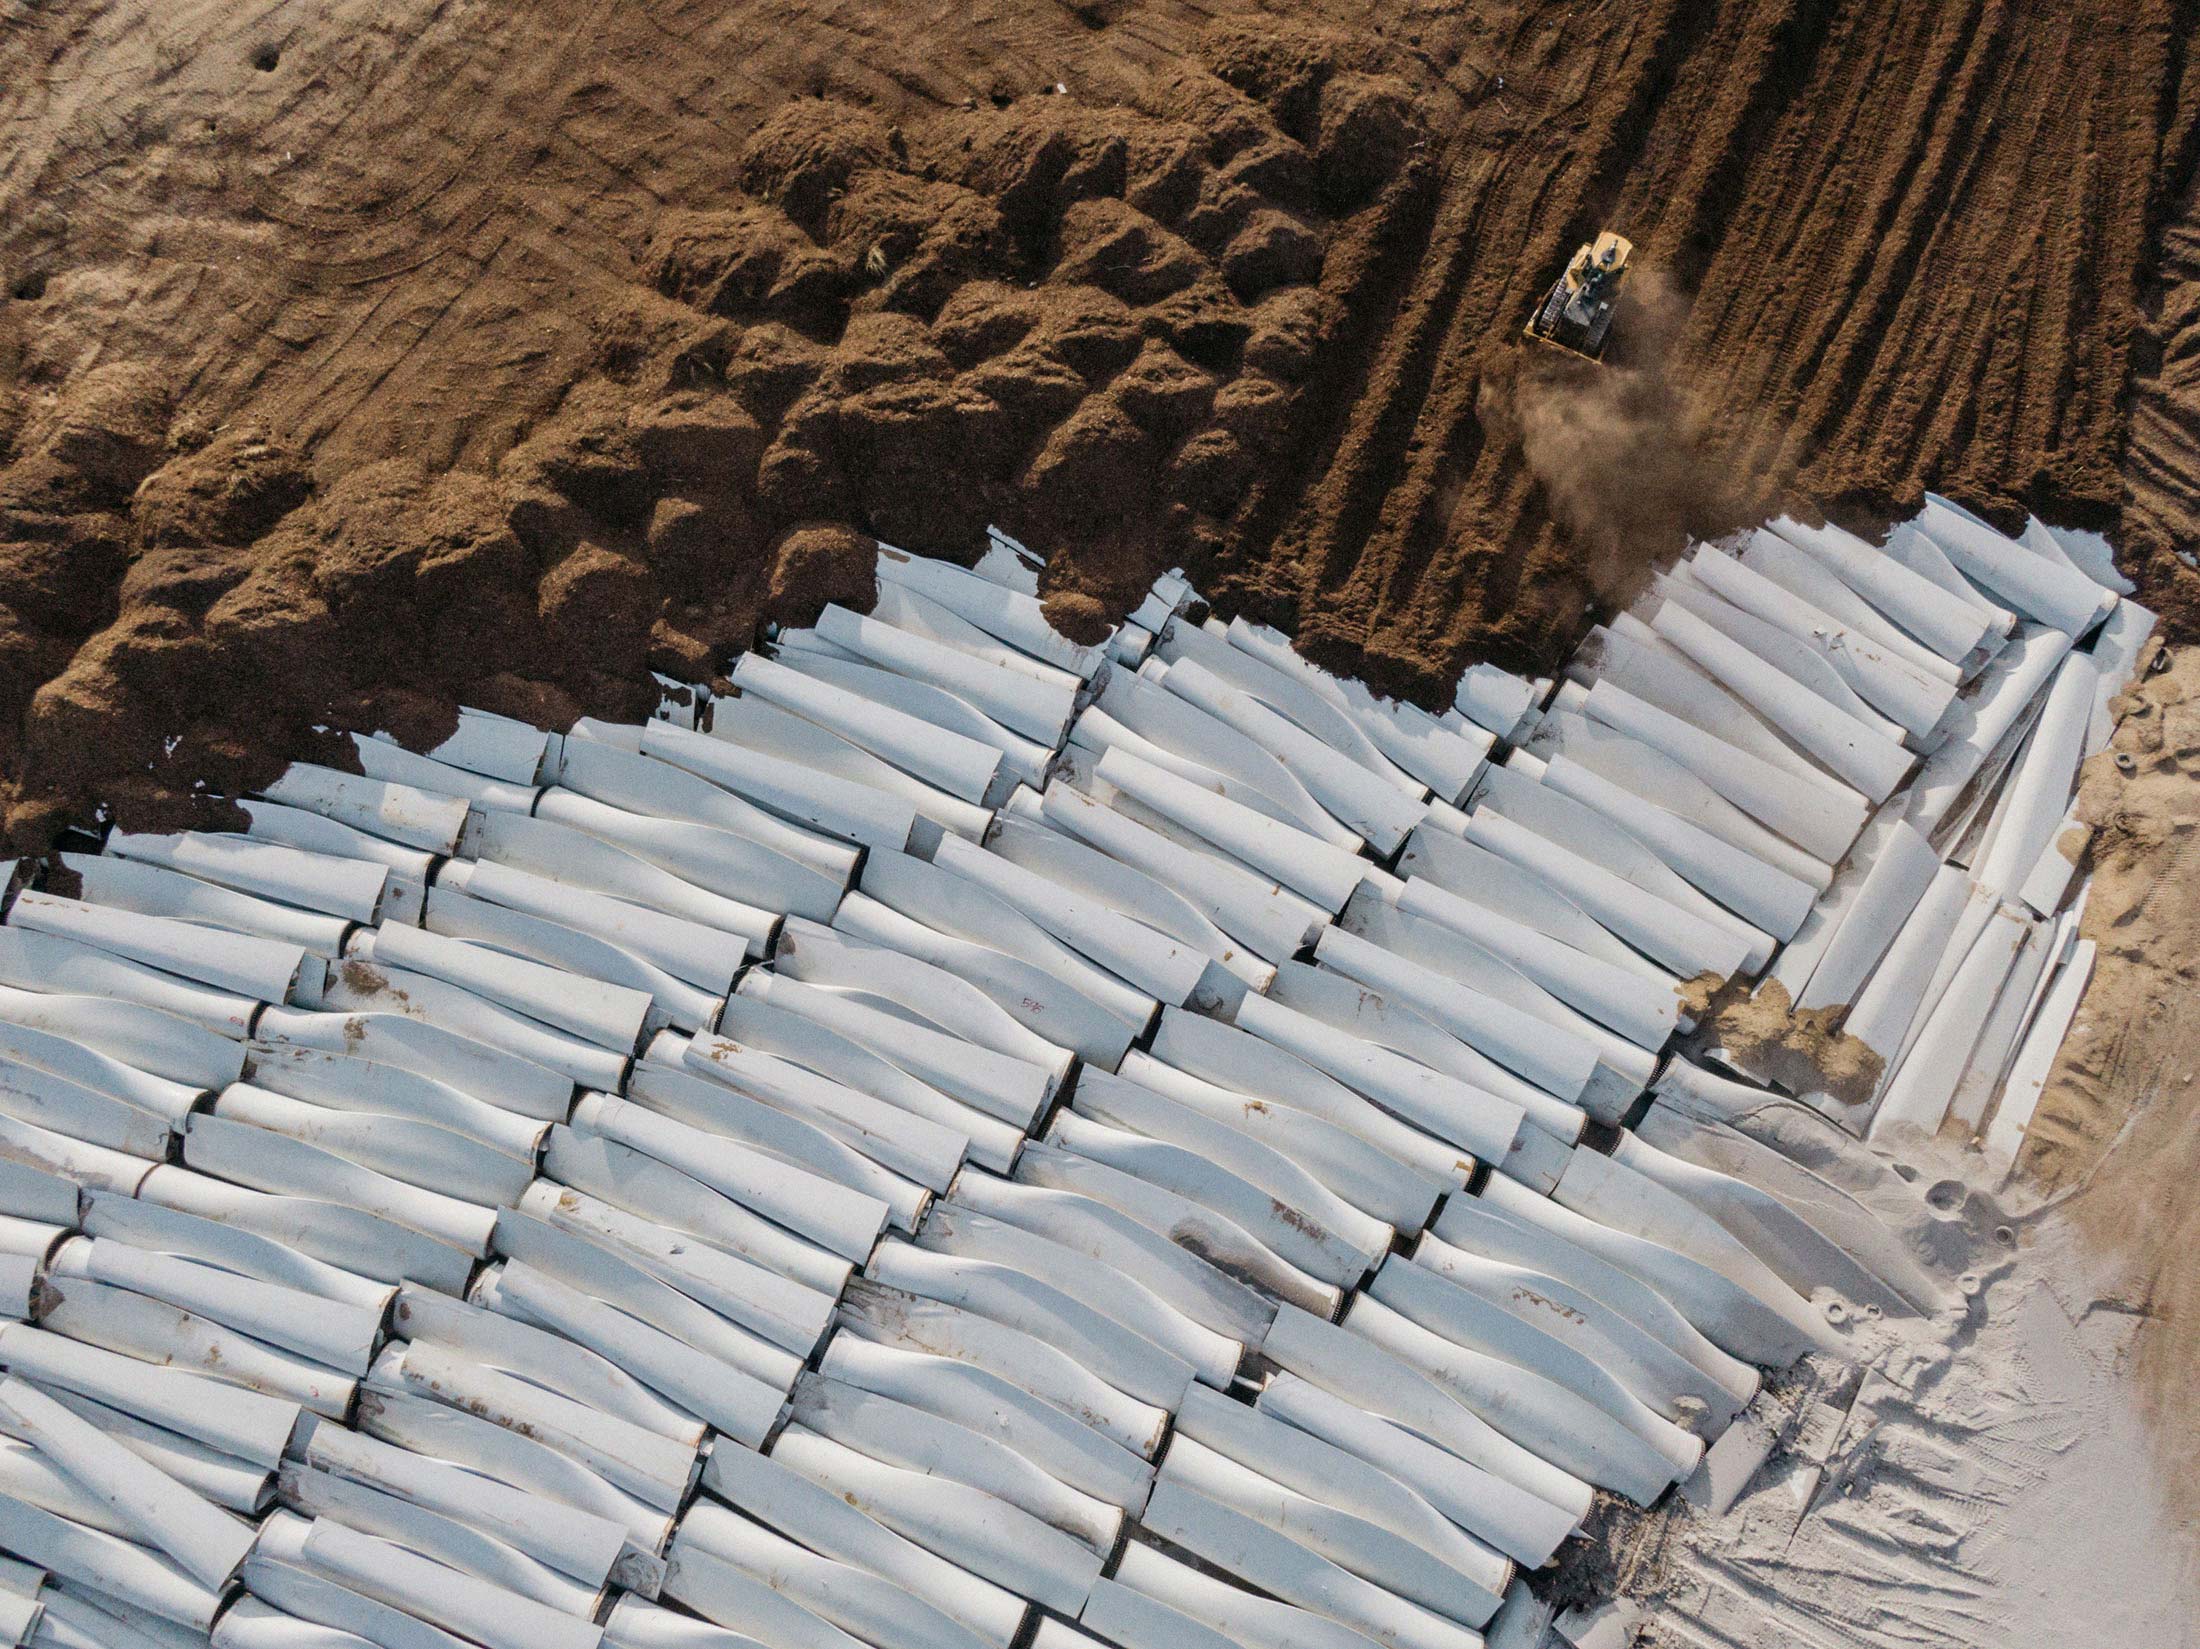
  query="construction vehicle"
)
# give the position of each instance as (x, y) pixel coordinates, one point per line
(1578, 311)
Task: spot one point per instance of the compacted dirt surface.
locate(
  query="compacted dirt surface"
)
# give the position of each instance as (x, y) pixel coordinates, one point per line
(357, 359)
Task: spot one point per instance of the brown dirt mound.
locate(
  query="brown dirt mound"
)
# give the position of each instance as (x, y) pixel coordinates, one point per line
(360, 359)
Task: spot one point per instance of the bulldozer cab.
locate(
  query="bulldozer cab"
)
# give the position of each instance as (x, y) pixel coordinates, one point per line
(1576, 314)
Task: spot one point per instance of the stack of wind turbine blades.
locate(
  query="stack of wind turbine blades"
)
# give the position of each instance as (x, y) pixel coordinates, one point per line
(1617, 875)
(1138, 715)
(1924, 614)
(1334, 998)
(734, 1570)
(1720, 1282)
(1803, 699)
(850, 814)
(783, 1311)
(605, 784)
(834, 962)
(1027, 835)
(922, 1029)
(1442, 758)
(1638, 687)
(1340, 1386)
(1131, 1127)
(912, 1437)
(1644, 774)
(769, 1028)
(807, 1496)
(911, 635)
(1233, 655)
(154, 890)
(680, 960)
(1113, 915)
(1543, 1392)
(1212, 1237)
(519, 1017)
(428, 820)
(1012, 617)
(132, 1482)
(1357, 1514)
(306, 830)
(804, 1117)
(427, 1571)
(245, 965)
(1323, 874)
(392, 764)
(1222, 1535)
(1379, 813)
(1028, 1359)
(629, 1462)
(928, 912)
(583, 1285)
(1807, 1231)
(1067, 1203)
(2037, 583)
(1502, 704)
(931, 729)
(154, 1040)
(567, 1121)
(963, 766)
(63, 1102)
(562, 853)
(1372, 1158)
(267, 1337)
(458, 1543)
(1534, 929)
(612, 1142)
(361, 1479)
(1270, 921)
(1047, 1307)
(341, 886)
(1748, 1135)
(456, 911)
(1747, 604)
(666, 771)
(937, 1486)
(959, 1230)
(490, 745)
(757, 727)
(1155, 1599)
(1563, 1066)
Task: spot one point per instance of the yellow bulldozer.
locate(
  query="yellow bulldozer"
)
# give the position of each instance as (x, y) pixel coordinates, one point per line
(1577, 313)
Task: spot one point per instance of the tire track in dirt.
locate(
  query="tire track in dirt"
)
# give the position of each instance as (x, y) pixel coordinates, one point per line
(1907, 237)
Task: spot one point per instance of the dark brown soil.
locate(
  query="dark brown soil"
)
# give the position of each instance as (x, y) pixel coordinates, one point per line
(359, 359)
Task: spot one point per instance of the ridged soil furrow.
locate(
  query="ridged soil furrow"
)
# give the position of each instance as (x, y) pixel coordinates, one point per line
(1909, 216)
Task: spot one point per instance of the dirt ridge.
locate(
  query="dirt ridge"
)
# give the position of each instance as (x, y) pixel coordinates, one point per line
(360, 359)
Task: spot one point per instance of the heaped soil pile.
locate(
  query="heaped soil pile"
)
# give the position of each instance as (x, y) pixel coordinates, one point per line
(361, 358)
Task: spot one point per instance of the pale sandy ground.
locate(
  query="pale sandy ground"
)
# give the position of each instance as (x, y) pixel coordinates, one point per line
(2025, 1472)
(1992, 1484)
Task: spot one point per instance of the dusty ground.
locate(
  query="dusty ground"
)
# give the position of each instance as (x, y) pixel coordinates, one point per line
(2117, 1135)
(358, 358)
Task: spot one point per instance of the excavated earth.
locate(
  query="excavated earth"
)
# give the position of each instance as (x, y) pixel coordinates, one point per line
(365, 356)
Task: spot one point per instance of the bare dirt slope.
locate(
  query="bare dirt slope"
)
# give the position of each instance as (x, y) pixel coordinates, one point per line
(360, 358)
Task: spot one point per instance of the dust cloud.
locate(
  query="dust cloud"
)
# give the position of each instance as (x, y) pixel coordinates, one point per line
(1618, 446)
